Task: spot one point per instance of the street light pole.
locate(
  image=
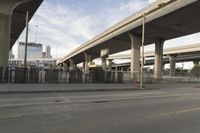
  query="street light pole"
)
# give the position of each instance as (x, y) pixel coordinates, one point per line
(142, 61)
(26, 41)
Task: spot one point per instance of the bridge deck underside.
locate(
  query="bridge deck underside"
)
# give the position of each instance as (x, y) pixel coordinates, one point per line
(179, 23)
(19, 18)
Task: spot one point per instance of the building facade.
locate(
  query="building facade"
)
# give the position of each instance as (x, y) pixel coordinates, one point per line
(48, 51)
(34, 50)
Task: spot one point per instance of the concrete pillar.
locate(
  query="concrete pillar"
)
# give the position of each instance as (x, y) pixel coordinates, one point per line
(86, 67)
(83, 69)
(135, 57)
(71, 67)
(110, 64)
(158, 59)
(6, 9)
(104, 64)
(65, 67)
(172, 59)
(87, 61)
(116, 74)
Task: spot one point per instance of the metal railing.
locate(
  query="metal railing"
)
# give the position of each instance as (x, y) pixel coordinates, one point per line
(21, 75)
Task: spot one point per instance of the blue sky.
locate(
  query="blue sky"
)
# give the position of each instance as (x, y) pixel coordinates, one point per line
(67, 24)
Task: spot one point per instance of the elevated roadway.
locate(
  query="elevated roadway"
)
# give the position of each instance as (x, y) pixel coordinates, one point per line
(180, 58)
(170, 55)
(180, 50)
(164, 20)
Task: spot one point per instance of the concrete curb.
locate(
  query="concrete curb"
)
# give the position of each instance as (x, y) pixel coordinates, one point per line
(77, 90)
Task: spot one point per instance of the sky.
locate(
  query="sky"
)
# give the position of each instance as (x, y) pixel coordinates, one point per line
(67, 24)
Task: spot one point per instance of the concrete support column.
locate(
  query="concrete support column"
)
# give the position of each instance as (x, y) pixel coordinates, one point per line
(5, 26)
(65, 67)
(71, 67)
(54, 65)
(116, 74)
(172, 59)
(6, 9)
(158, 59)
(86, 67)
(87, 61)
(135, 57)
(110, 64)
(104, 64)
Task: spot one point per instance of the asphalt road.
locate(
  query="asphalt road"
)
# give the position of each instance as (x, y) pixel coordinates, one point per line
(169, 108)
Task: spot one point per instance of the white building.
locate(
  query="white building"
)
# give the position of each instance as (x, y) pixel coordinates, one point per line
(48, 51)
(34, 50)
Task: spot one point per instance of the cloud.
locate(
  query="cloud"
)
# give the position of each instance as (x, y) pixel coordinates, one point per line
(66, 20)
(65, 28)
(133, 6)
(151, 1)
(121, 11)
(60, 26)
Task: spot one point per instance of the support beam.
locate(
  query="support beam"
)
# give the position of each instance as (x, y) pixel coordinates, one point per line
(135, 57)
(158, 59)
(172, 59)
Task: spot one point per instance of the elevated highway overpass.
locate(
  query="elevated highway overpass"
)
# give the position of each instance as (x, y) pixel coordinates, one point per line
(12, 23)
(170, 55)
(180, 58)
(179, 50)
(164, 20)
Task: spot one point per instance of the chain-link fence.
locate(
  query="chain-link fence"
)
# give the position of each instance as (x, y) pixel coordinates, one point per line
(21, 75)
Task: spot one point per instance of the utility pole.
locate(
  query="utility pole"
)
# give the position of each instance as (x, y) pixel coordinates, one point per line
(36, 28)
(142, 61)
(26, 41)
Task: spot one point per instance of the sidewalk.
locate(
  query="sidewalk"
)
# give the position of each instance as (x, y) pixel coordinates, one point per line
(53, 88)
